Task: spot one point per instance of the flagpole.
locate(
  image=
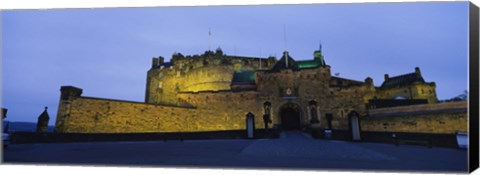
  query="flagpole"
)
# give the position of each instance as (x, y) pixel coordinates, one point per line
(209, 35)
(285, 45)
(260, 58)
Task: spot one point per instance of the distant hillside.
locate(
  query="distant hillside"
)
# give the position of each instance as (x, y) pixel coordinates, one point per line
(25, 126)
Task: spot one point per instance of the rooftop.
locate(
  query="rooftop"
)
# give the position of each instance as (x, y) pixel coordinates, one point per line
(403, 80)
(244, 77)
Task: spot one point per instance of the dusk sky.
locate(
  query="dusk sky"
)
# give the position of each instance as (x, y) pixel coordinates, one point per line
(107, 51)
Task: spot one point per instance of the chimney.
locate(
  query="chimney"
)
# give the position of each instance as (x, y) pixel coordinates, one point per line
(369, 81)
(386, 77)
(417, 70)
(160, 60)
(154, 62)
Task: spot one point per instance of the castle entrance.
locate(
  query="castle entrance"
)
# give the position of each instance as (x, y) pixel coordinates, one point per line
(290, 117)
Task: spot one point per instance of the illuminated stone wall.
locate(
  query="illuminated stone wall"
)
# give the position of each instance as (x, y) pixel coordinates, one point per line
(447, 118)
(79, 114)
(415, 91)
(408, 86)
(194, 93)
(215, 111)
(333, 95)
(227, 106)
(207, 72)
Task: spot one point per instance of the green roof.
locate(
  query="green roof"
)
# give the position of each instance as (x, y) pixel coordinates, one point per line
(308, 64)
(297, 65)
(244, 77)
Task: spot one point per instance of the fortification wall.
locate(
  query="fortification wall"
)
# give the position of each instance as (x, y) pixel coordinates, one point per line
(165, 83)
(195, 74)
(230, 106)
(215, 77)
(446, 118)
(95, 115)
(416, 91)
(419, 108)
(91, 115)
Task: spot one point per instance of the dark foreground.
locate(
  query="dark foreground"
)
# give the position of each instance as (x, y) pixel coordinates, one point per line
(294, 150)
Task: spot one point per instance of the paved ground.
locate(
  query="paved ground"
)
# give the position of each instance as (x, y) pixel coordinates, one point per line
(294, 150)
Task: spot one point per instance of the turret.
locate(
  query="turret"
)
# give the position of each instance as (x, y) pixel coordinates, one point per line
(417, 71)
(219, 51)
(68, 94)
(317, 55)
(154, 62)
(161, 60)
(369, 81)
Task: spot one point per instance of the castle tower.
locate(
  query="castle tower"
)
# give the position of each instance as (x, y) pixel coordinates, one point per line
(68, 93)
(318, 56)
(42, 123)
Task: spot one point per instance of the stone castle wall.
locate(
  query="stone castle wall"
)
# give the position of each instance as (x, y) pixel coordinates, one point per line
(416, 91)
(226, 110)
(334, 96)
(197, 73)
(446, 118)
(79, 114)
(165, 83)
(230, 106)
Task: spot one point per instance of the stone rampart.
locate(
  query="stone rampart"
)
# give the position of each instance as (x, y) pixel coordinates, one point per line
(79, 114)
(445, 118)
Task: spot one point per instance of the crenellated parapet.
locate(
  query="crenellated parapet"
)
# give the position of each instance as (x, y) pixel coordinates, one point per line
(211, 71)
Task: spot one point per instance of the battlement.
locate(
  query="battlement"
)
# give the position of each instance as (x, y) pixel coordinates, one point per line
(210, 71)
(179, 62)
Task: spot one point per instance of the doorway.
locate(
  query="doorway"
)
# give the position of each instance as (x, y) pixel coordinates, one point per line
(290, 117)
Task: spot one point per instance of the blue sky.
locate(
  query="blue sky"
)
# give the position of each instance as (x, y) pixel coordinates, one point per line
(107, 51)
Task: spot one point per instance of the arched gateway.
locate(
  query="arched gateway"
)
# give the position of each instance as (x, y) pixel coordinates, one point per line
(290, 116)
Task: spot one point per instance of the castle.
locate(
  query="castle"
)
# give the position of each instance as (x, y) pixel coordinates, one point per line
(215, 91)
